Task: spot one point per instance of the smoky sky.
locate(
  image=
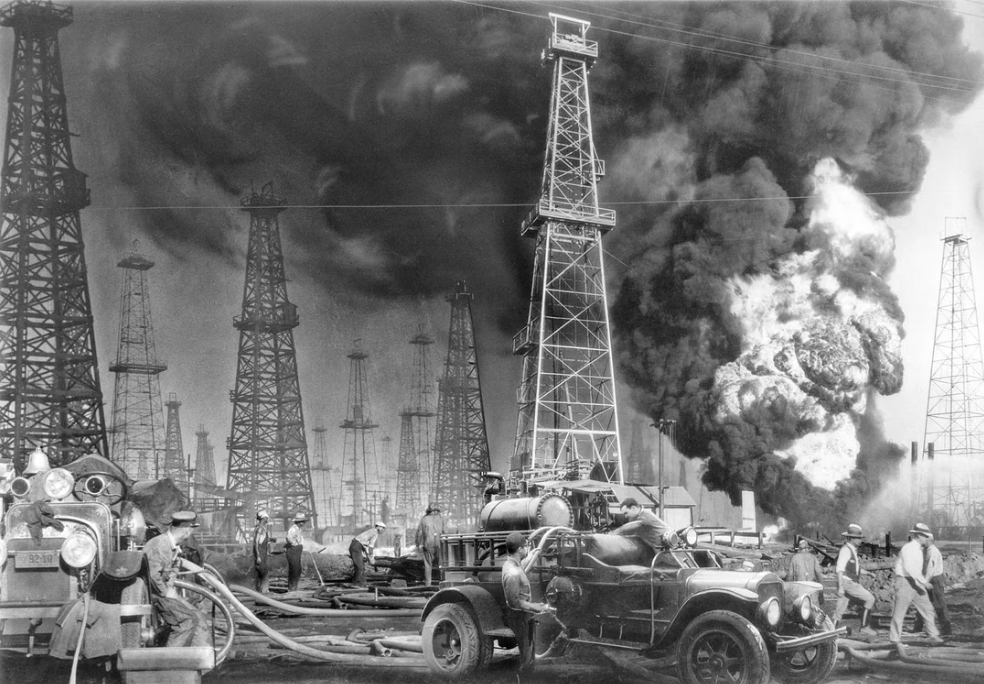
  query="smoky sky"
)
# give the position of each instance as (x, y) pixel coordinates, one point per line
(444, 105)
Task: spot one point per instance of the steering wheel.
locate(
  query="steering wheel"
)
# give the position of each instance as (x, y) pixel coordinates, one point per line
(89, 487)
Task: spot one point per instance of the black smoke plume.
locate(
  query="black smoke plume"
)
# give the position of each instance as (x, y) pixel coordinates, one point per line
(717, 118)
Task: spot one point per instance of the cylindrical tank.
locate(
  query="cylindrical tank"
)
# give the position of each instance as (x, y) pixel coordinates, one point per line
(527, 513)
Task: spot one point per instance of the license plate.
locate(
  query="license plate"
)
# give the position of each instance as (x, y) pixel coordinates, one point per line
(36, 559)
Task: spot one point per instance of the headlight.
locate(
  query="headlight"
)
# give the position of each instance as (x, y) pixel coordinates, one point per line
(133, 524)
(20, 487)
(670, 540)
(803, 608)
(58, 483)
(78, 550)
(690, 536)
(769, 611)
(3, 552)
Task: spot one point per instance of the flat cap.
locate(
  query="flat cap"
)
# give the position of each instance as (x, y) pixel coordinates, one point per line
(184, 519)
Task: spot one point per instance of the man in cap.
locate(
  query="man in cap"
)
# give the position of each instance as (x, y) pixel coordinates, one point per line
(911, 586)
(804, 566)
(933, 565)
(261, 547)
(362, 548)
(642, 523)
(519, 609)
(849, 589)
(187, 625)
(428, 539)
(293, 548)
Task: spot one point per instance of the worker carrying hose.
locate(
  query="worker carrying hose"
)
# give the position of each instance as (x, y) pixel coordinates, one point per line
(361, 549)
(187, 625)
(293, 548)
(261, 548)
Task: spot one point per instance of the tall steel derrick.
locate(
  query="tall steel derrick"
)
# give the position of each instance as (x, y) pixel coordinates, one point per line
(50, 395)
(268, 457)
(461, 450)
(413, 469)
(138, 421)
(360, 471)
(955, 404)
(204, 500)
(568, 422)
(173, 466)
(322, 467)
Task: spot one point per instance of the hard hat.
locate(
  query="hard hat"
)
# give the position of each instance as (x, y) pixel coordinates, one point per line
(37, 462)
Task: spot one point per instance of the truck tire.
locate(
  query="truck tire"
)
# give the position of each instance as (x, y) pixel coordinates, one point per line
(135, 594)
(809, 665)
(453, 642)
(722, 646)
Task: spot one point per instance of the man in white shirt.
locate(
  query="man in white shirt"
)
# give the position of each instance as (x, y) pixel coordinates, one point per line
(361, 549)
(293, 548)
(849, 587)
(934, 573)
(911, 586)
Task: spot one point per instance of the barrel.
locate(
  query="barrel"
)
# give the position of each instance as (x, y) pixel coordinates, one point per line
(527, 513)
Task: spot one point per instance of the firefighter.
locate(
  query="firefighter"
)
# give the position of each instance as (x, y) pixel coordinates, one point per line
(187, 625)
(361, 548)
(520, 610)
(293, 548)
(642, 523)
(428, 539)
(849, 589)
(261, 547)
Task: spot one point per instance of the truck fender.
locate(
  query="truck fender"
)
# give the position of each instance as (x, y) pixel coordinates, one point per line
(487, 610)
(123, 565)
(703, 601)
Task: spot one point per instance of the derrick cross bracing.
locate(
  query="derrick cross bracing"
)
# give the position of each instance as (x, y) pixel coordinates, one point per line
(268, 457)
(50, 395)
(461, 451)
(568, 423)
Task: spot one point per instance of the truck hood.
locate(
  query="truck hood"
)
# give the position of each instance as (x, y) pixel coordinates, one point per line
(715, 578)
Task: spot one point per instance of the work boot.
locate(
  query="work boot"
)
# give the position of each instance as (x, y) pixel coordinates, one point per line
(867, 630)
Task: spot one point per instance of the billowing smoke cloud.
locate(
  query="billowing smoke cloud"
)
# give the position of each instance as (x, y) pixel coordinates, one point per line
(755, 311)
(759, 320)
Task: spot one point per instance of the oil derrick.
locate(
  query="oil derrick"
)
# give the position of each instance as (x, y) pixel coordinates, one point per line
(568, 423)
(50, 395)
(360, 471)
(205, 501)
(173, 466)
(323, 469)
(268, 457)
(461, 451)
(955, 408)
(138, 422)
(415, 434)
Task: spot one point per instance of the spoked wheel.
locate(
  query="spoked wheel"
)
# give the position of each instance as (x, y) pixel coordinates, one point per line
(454, 645)
(809, 665)
(721, 647)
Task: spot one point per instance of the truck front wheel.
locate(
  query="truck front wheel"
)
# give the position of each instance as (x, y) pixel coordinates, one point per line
(722, 646)
(809, 665)
(454, 645)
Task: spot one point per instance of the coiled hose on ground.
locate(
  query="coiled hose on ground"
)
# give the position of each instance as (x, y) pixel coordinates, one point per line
(226, 593)
(934, 661)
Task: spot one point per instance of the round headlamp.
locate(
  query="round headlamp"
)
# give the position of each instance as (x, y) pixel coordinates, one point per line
(770, 611)
(58, 483)
(690, 536)
(78, 550)
(803, 609)
(20, 487)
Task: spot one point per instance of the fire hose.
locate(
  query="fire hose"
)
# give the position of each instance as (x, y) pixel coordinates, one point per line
(926, 663)
(227, 593)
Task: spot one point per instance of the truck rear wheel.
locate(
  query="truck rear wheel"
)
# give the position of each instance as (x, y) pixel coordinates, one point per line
(722, 646)
(454, 645)
(809, 665)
